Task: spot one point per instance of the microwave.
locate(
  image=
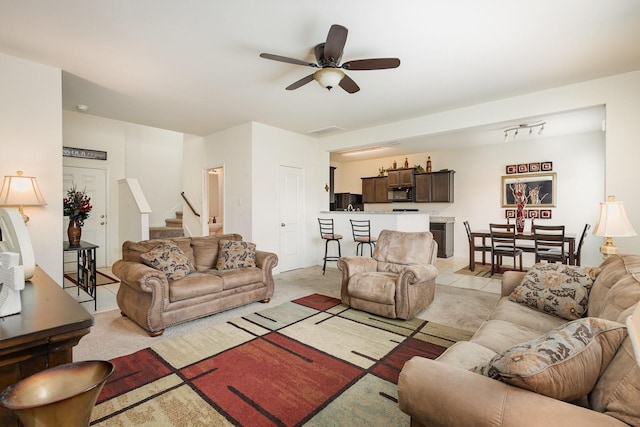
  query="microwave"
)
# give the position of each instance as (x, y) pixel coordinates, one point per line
(400, 194)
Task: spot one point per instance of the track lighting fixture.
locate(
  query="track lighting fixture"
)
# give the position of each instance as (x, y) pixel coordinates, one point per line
(529, 126)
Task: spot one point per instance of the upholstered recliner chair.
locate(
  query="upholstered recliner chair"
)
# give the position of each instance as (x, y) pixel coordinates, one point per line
(397, 281)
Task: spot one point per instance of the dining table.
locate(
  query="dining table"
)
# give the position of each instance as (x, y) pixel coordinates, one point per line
(569, 240)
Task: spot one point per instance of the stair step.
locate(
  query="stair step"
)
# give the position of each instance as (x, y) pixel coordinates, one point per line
(165, 232)
(179, 214)
(173, 222)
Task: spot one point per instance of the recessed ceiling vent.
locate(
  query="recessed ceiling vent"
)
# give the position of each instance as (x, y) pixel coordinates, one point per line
(325, 131)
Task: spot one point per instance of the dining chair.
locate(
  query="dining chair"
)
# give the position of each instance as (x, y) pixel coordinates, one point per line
(549, 243)
(328, 234)
(503, 243)
(361, 229)
(476, 248)
(578, 252)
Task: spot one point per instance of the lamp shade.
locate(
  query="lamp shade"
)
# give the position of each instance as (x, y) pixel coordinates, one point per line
(613, 220)
(329, 77)
(20, 190)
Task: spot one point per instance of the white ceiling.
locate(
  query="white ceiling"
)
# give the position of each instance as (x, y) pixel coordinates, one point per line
(193, 66)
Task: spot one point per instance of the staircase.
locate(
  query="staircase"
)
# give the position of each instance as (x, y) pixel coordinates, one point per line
(172, 228)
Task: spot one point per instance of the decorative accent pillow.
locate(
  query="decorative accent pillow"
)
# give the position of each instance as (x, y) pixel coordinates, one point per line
(236, 254)
(557, 289)
(169, 259)
(565, 363)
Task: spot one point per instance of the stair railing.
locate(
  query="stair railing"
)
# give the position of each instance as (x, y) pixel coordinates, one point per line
(186, 199)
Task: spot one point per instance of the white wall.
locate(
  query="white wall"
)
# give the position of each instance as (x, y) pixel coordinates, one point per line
(619, 93)
(31, 141)
(272, 148)
(231, 149)
(154, 158)
(578, 160)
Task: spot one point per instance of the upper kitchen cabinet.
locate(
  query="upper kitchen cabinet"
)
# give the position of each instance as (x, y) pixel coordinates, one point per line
(434, 187)
(374, 190)
(400, 178)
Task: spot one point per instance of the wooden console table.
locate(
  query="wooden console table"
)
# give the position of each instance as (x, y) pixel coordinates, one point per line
(41, 336)
(86, 269)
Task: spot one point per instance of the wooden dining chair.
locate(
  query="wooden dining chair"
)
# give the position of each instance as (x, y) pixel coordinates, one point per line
(503, 243)
(549, 243)
(476, 248)
(578, 252)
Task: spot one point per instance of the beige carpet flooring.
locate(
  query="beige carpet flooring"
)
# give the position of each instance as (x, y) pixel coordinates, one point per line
(113, 335)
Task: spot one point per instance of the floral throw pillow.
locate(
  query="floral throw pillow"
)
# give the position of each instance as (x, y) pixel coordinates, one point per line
(557, 289)
(565, 363)
(169, 259)
(236, 254)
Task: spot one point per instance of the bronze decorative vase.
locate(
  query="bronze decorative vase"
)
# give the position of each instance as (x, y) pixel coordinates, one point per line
(60, 396)
(74, 232)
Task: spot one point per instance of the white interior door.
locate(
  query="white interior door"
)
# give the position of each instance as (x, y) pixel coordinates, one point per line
(94, 182)
(291, 207)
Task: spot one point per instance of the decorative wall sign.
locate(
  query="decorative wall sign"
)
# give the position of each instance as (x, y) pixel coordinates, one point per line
(511, 169)
(523, 168)
(84, 153)
(534, 167)
(540, 189)
(546, 166)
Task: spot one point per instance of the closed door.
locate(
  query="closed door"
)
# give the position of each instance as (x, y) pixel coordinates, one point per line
(94, 182)
(291, 206)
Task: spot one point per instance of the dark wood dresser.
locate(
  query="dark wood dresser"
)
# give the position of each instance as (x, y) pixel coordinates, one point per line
(41, 336)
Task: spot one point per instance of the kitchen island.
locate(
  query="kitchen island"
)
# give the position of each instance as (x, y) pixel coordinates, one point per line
(380, 220)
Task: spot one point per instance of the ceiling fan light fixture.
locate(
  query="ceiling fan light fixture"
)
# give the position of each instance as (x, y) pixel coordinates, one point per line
(329, 77)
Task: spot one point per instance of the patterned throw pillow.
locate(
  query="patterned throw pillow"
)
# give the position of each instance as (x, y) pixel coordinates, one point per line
(565, 363)
(557, 289)
(236, 254)
(169, 259)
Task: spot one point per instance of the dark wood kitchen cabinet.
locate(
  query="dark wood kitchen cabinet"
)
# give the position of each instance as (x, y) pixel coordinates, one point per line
(374, 190)
(434, 187)
(400, 178)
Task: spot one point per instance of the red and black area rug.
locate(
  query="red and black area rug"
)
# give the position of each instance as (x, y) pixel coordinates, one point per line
(312, 362)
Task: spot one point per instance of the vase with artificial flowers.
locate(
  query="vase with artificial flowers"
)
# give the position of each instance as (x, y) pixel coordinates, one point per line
(77, 206)
(519, 191)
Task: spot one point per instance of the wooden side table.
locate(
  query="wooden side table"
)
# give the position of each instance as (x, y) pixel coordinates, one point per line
(41, 336)
(86, 269)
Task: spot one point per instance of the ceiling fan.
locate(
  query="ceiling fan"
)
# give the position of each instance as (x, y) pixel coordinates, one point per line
(328, 57)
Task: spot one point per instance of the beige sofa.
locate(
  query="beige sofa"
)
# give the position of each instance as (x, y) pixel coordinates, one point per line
(155, 299)
(445, 392)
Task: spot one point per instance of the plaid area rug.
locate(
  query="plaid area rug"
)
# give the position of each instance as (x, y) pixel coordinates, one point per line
(312, 362)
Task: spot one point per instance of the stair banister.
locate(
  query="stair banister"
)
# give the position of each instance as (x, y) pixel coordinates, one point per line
(186, 199)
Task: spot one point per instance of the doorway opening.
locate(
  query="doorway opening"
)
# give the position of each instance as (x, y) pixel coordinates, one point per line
(215, 196)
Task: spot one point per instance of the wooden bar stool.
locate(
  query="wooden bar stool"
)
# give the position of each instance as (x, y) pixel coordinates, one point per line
(328, 234)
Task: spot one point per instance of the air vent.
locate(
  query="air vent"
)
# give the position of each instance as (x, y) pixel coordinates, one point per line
(325, 131)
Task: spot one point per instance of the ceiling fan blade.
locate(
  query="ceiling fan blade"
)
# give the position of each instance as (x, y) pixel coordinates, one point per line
(287, 60)
(303, 81)
(334, 45)
(349, 85)
(372, 64)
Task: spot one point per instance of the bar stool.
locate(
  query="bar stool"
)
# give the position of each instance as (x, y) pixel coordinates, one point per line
(361, 229)
(327, 233)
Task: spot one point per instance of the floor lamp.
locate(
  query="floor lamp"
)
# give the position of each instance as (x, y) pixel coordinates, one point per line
(612, 222)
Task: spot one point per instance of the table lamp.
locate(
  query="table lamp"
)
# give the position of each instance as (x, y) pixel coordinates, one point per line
(612, 222)
(21, 191)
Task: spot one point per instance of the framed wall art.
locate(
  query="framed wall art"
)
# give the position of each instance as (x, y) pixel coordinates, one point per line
(540, 190)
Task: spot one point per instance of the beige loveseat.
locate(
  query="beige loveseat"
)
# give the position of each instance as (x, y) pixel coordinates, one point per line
(445, 391)
(218, 276)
